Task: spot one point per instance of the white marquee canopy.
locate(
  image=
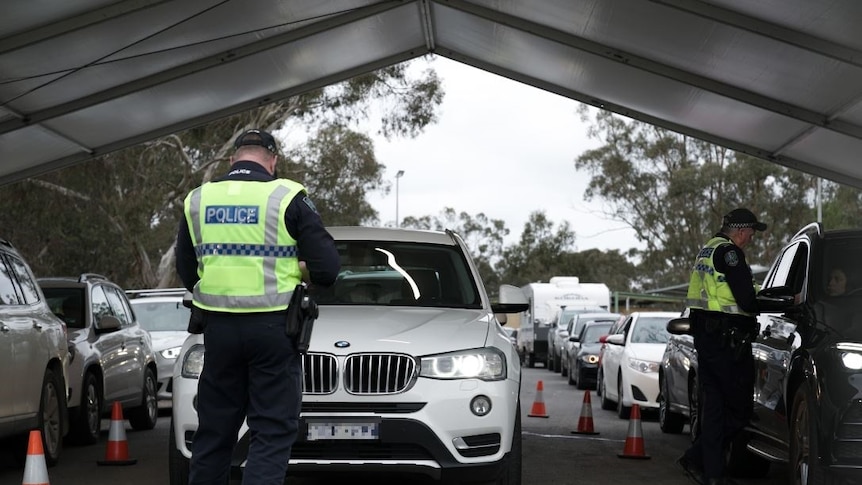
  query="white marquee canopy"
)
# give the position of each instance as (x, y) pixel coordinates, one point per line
(778, 79)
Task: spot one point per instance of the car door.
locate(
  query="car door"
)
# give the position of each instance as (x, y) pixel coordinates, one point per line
(14, 329)
(133, 337)
(775, 343)
(611, 358)
(36, 335)
(110, 344)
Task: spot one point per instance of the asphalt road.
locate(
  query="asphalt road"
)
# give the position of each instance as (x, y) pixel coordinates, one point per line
(551, 453)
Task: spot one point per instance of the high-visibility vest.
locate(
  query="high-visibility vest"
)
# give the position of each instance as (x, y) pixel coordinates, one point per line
(707, 287)
(247, 261)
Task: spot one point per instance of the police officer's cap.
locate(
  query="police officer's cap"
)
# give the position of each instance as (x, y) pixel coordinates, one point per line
(742, 217)
(258, 138)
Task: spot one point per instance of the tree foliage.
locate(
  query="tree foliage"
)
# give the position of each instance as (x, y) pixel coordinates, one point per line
(673, 191)
(117, 215)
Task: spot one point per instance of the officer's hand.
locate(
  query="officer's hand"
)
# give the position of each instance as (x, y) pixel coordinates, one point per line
(304, 270)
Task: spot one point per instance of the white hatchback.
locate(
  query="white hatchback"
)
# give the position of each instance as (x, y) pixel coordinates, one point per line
(631, 360)
(409, 370)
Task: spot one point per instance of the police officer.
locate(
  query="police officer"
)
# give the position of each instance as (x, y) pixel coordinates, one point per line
(246, 241)
(722, 308)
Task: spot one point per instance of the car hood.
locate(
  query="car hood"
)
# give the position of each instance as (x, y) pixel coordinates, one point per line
(166, 340)
(648, 352)
(414, 331)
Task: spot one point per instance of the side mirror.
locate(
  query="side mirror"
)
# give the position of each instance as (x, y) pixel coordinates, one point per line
(107, 323)
(679, 326)
(776, 299)
(616, 339)
(512, 300)
(603, 339)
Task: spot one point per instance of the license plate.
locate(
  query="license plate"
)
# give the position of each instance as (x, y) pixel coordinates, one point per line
(327, 430)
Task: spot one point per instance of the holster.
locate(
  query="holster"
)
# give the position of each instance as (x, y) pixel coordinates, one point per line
(197, 320)
(302, 311)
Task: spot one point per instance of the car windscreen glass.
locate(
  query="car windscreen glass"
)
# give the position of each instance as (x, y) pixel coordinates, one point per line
(650, 330)
(592, 333)
(161, 316)
(401, 273)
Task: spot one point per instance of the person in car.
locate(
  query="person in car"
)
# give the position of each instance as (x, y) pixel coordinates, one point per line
(723, 306)
(246, 241)
(837, 284)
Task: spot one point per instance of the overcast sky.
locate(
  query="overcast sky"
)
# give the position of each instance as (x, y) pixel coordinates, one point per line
(502, 148)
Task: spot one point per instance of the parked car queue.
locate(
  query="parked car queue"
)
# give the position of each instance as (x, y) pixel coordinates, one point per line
(71, 347)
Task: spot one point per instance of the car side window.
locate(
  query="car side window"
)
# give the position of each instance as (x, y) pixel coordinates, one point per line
(26, 281)
(99, 303)
(119, 309)
(790, 269)
(8, 296)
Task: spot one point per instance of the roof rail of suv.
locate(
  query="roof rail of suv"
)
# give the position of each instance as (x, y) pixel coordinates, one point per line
(156, 292)
(814, 228)
(90, 276)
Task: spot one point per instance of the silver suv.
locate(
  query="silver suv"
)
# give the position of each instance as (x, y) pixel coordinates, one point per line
(111, 356)
(33, 356)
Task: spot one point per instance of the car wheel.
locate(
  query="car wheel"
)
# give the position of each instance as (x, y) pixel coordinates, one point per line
(557, 364)
(549, 362)
(804, 443)
(531, 361)
(599, 381)
(52, 415)
(607, 404)
(693, 409)
(144, 416)
(668, 421)
(623, 411)
(178, 464)
(87, 422)
(564, 369)
(570, 378)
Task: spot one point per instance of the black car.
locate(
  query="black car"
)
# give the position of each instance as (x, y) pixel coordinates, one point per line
(808, 364)
(584, 363)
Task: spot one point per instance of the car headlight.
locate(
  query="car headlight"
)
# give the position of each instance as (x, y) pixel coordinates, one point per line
(171, 353)
(643, 366)
(850, 354)
(488, 364)
(590, 358)
(193, 362)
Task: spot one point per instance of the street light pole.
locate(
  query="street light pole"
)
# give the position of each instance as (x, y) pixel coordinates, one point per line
(397, 179)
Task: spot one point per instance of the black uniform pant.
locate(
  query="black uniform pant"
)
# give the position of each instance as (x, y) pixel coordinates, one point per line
(251, 370)
(726, 381)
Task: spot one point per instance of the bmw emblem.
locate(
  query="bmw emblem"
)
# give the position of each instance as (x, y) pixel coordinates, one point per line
(342, 344)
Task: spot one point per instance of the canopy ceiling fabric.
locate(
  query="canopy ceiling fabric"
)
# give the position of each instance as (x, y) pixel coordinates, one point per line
(778, 79)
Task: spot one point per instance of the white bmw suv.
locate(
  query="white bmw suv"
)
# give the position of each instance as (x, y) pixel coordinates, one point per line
(409, 369)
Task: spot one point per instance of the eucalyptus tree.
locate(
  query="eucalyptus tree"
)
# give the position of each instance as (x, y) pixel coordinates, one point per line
(118, 214)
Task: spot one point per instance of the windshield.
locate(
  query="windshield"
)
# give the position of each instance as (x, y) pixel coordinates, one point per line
(161, 316)
(593, 332)
(401, 273)
(650, 330)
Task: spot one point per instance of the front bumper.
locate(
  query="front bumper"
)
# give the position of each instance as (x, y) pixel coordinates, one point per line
(641, 389)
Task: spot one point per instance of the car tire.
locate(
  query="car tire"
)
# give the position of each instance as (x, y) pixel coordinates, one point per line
(805, 442)
(668, 421)
(178, 464)
(558, 364)
(52, 416)
(564, 369)
(87, 420)
(549, 362)
(599, 381)
(607, 404)
(623, 411)
(570, 378)
(144, 417)
(693, 408)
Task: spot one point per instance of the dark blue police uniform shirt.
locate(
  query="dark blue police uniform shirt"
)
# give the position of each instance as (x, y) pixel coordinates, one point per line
(315, 245)
(730, 260)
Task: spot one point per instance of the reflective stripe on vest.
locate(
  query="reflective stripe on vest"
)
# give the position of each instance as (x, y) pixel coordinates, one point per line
(276, 245)
(708, 288)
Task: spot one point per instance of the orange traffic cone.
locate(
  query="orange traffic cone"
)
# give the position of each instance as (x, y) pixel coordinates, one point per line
(585, 422)
(117, 451)
(538, 409)
(634, 447)
(35, 468)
